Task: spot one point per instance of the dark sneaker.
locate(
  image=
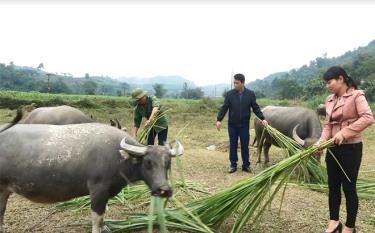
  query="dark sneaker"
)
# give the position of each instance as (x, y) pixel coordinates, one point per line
(246, 169)
(232, 169)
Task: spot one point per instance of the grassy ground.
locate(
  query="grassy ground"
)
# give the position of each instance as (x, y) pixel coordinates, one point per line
(303, 210)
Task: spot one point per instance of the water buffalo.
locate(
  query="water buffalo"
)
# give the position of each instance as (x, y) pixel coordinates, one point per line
(54, 163)
(321, 110)
(15, 120)
(301, 124)
(60, 115)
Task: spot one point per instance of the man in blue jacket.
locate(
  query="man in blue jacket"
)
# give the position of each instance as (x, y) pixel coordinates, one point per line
(239, 101)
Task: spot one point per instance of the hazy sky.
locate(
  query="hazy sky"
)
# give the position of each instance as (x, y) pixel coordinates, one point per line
(203, 42)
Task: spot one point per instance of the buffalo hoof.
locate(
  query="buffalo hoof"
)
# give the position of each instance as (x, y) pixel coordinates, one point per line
(266, 165)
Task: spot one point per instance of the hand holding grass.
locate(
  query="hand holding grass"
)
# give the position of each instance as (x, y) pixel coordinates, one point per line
(338, 138)
(265, 123)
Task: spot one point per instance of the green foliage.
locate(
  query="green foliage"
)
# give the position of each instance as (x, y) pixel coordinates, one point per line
(14, 99)
(369, 88)
(289, 89)
(191, 93)
(19, 78)
(259, 94)
(359, 63)
(313, 87)
(89, 87)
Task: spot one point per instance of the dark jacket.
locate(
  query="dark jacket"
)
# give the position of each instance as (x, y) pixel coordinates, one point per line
(239, 111)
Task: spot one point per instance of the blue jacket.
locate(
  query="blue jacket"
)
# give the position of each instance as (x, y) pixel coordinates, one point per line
(239, 110)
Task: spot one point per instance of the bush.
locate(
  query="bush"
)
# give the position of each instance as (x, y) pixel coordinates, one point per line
(85, 103)
(370, 93)
(55, 102)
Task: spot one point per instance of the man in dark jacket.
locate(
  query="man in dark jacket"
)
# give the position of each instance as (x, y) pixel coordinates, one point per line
(239, 101)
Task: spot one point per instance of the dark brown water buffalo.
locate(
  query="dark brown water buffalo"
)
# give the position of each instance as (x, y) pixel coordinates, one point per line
(301, 124)
(54, 163)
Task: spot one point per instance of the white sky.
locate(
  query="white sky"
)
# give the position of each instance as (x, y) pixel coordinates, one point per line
(201, 42)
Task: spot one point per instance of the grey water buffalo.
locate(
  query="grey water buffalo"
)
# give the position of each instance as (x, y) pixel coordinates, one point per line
(15, 120)
(321, 110)
(301, 124)
(54, 163)
(60, 115)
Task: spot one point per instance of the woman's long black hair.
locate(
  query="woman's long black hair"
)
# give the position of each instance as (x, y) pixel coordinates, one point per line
(334, 72)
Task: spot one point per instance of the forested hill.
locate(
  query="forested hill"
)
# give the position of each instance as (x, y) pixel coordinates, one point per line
(306, 80)
(23, 78)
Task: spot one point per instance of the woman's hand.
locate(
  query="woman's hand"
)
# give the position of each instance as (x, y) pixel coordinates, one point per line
(338, 138)
(318, 153)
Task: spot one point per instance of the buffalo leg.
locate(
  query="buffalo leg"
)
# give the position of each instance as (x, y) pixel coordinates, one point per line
(260, 141)
(254, 141)
(4, 195)
(97, 222)
(99, 199)
(267, 146)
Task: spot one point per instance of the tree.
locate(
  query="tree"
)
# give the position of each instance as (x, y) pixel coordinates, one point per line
(192, 93)
(289, 89)
(89, 87)
(369, 88)
(196, 93)
(57, 86)
(314, 87)
(185, 89)
(125, 87)
(159, 89)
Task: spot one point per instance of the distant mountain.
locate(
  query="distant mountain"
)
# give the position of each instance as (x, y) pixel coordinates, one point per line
(216, 90)
(174, 84)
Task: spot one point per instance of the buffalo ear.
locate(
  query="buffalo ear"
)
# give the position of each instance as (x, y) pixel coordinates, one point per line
(118, 125)
(112, 122)
(177, 149)
(124, 154)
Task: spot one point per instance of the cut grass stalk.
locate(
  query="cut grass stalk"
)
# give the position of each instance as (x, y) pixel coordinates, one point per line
(143, 135)
(365, 188)
(134, 195)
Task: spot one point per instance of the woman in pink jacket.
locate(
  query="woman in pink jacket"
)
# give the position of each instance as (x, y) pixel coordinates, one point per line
(347, 115)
